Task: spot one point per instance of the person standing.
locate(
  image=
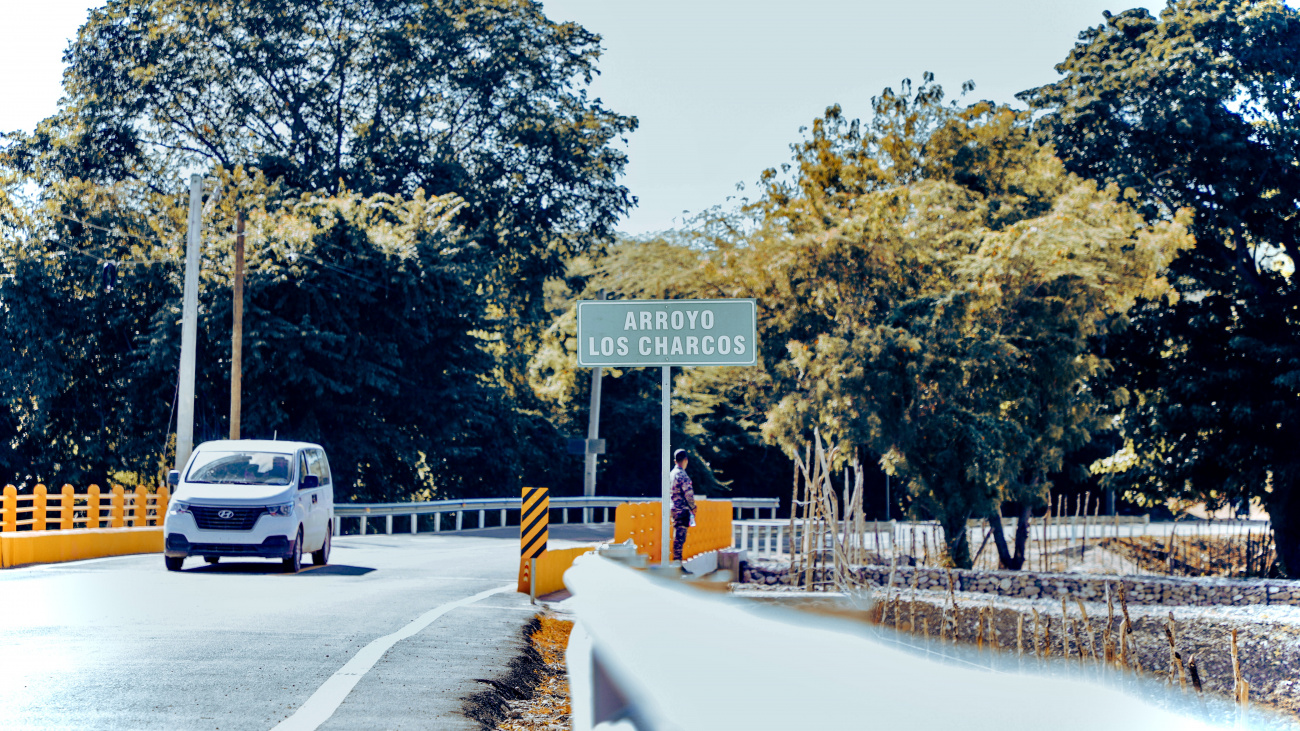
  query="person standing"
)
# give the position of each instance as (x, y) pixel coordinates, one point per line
(683, 497)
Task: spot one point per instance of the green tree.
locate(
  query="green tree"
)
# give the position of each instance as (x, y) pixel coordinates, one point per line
(941, 285)
(483, 99)
(1198, 109)
(361, 333)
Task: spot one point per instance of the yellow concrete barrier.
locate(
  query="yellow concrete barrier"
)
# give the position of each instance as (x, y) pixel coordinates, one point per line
(26, 547)
(48, 527)
(639, 522)
(550, 569)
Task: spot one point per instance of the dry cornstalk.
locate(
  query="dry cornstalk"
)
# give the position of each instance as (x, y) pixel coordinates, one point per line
(1047, 636)
(1087, 625)
(1123, 605)
(916, 572)
(1065, 635)
(925, 628)
(1175, 660)
(1196, 676)
(993, 630)
(1038, 650)
(1106, 643)
(1078, 640)
(1240, 688)
(952, 598)
(979, 630)
(1047, 527)
(1020, 634)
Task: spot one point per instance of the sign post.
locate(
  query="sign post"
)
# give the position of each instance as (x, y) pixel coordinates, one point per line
(534, 533)
(667, 333)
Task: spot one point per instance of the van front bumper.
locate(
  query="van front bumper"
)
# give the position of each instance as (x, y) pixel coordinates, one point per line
(178, 546)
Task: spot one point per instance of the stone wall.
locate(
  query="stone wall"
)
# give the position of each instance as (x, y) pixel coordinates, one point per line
(1169, 591)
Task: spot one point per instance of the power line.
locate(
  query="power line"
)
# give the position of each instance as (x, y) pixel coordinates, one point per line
(119, 262)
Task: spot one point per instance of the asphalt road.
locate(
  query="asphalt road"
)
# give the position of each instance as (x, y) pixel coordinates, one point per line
(391, 635)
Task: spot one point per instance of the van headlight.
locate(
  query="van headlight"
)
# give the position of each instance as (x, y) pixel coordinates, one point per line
(283, 510)
(177, 507)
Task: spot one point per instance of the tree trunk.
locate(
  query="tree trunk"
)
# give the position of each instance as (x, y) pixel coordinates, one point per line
(1009, 561)
(954, 537)
(1284, 513)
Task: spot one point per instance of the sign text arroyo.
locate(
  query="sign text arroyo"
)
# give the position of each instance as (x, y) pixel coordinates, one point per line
(629, 333)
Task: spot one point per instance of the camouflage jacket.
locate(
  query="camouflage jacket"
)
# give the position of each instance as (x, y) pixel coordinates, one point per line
(682, 494)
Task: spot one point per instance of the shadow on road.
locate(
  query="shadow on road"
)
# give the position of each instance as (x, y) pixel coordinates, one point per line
(277, 568)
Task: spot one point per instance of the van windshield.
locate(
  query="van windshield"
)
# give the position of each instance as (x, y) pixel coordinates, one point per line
(241, 468)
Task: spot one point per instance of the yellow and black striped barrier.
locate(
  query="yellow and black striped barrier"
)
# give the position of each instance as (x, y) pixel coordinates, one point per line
(534, 520)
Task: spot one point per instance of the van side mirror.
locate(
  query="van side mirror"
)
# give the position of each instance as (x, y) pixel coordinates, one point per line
(174, 478)
(309, 482)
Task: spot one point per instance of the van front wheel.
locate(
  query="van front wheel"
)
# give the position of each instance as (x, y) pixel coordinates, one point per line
(293, 564)
(174, 562)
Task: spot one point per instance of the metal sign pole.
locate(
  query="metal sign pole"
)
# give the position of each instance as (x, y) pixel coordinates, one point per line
(593, 433)
(665, 540)
(189, 328)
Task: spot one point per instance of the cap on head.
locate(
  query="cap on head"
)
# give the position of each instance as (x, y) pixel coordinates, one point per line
(679, 455)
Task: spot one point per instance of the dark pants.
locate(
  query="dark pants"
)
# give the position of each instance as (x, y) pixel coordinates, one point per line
(681, 521)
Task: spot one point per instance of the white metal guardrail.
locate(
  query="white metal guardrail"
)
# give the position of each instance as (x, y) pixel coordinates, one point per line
(588, 506)
(641, 644)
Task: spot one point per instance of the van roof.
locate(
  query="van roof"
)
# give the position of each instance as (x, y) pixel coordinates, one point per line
(260, 445)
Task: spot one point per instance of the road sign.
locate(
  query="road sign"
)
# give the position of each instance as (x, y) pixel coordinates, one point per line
(632, 333)
(533, 522)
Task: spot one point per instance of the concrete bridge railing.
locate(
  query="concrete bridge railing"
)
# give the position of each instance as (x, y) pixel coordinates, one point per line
(499, 507)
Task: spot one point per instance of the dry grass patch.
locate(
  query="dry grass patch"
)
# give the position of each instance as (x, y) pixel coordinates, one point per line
(547, 708)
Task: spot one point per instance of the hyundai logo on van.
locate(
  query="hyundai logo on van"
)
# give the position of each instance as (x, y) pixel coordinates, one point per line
(226, 514)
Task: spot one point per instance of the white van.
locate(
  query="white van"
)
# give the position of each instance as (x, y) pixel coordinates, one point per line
(251, 498)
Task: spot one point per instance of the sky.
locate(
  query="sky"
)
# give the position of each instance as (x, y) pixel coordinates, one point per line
(720, 87)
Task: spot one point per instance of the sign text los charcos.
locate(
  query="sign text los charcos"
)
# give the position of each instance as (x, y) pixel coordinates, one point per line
(630, 333)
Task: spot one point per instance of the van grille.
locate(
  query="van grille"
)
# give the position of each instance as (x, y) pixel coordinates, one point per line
(242, 518)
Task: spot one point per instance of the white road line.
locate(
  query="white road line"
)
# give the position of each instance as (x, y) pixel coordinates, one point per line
(327, 698)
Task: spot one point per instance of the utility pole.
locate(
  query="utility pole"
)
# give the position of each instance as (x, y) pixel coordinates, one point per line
(665, 458)
(189, 327)
(593, 433)
(237, 337)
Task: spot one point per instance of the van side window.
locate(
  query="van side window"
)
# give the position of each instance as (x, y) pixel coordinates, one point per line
(302, 467)
(324, 467)
(316, 465)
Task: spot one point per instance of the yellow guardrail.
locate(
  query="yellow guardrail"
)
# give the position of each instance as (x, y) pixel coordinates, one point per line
(45, 527)
(639, 522)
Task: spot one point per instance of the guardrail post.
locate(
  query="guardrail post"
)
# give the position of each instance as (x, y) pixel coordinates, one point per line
(39, 505)
(415, 523)
(460, 515)
(67, 507)
(388, 525)
(363, 524)
(338, 525)
(141, 507)
(119, 508)
(482, 516)
(161, 500)
(503, 517)
(437, 522)
(10, 509)
(564, 515)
